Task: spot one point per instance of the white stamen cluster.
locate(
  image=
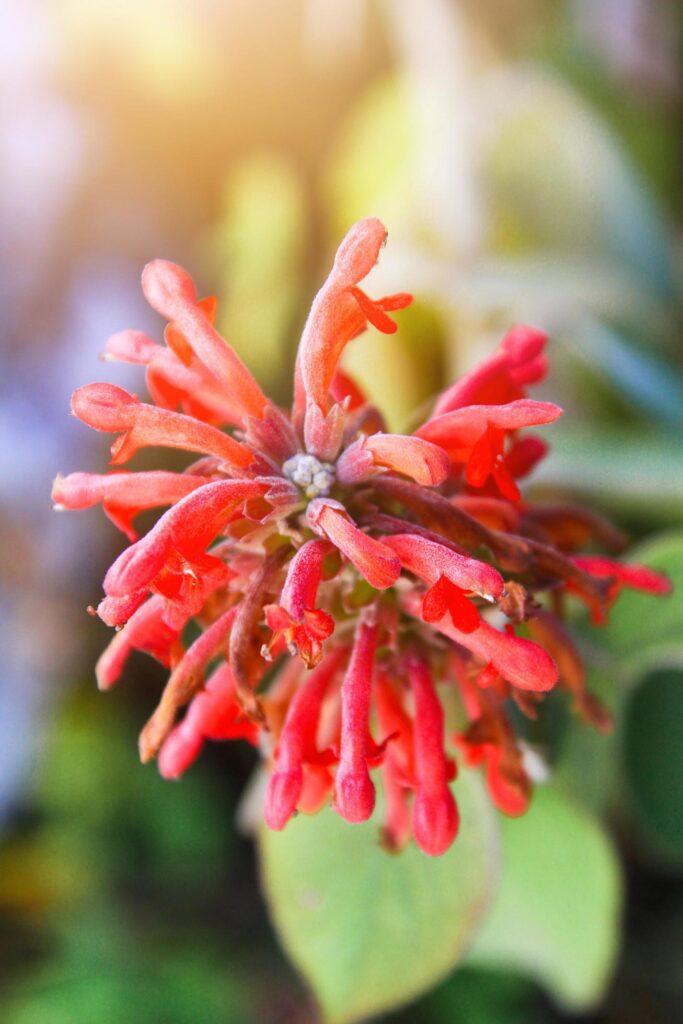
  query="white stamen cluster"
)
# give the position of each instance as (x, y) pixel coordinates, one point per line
(315, 478)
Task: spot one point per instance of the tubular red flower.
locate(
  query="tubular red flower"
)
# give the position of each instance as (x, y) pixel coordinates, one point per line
(303, 626)
(145, 631)
(185, 680)
(490, 741)
(396, 829)
(636, 577)
(339, 312)
(297, 742)
(518, 361)
(123, 495)
(430, 560)
(171, 557)
(521, 662)
(110, 408)
(461, 429)
(424, 462)
(170, 291)
(396, 726)
(305, 524)
(475, 437)
(172, 383)
(354, 791)
(214, 714)
(373, 559)
(435, 815)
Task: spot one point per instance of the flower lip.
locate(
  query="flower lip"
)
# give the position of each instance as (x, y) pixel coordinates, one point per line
(313, 477)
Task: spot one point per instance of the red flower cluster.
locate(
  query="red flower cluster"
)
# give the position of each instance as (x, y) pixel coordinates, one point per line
(346, 581)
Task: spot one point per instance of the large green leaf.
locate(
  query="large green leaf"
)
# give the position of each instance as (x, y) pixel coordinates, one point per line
(368, 930)
(556, 915)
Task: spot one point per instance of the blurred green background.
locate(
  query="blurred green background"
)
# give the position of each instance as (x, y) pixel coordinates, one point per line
(525, 157)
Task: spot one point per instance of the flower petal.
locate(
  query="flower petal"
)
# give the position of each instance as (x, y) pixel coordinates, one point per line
(373, 559)
(109, 408)
(430, 560)
(170, 291)
(636, 577)
(213, 714)
(435, 815)
(521, 662)
(462, 428)
(146, 630)
(339, 312)
(123, 495)
(178, 539)
(354, 791)
(424, 462)
(185, 680)
(519, 360)
(297, 742)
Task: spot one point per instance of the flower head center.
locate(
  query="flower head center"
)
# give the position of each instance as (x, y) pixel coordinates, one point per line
(315, 478)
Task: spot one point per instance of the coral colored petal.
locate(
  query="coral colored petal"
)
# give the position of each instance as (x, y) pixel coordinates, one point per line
(373, 559)
(435, 815)
(123, 495)
(170, 291)
(354, 791)
(425, 463)
(213, 714)
(430, 560)
(145, 631)
(345, 389)
(185, 530)
(521, 662)
(185, 680)
(297, 743)
(339, 312)
(110, 408)
(519, 360)
(637, 577)
(462, 428)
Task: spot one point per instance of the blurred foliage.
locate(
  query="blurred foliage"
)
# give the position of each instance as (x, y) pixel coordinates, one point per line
(258, 251)
(106, 884)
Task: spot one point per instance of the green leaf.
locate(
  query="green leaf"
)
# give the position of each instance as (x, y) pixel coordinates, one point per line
(368, 930)
(653, 760)
(556, 915)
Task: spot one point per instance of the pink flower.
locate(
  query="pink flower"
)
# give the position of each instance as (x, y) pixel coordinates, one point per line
(370, 569)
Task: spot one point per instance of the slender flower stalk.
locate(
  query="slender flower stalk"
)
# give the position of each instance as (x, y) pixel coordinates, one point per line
(342, 581)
